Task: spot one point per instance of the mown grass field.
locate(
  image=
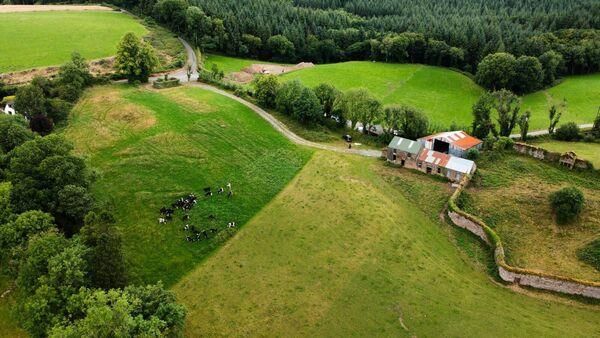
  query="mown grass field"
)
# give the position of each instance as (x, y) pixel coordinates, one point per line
(585, 150)
(512, 195)
(444, 95)
(581, 94)
(35, 39)
(342, 252)
(151, 148)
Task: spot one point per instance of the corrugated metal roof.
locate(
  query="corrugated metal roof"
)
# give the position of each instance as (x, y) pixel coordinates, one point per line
(457, 138)
(434, 157)
(447, 161)
(405, 145)
(460, 164)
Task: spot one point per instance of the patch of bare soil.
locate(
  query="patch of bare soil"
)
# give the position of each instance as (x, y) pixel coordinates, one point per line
(247, 74)
(97, 67)
(41, 8)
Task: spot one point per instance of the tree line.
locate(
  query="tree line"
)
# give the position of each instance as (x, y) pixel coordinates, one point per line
(458, 34)
(563, 36)
(63, 248)
(325, 104)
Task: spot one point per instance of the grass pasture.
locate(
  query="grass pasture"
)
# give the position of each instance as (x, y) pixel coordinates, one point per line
(582, 96)
(444, 95)
(151, 148)
(341, 252)
(585, 150)
(512, 196)
(36, 39)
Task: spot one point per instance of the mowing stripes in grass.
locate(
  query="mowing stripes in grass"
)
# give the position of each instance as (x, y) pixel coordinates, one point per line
(198, 139)
(34, 39)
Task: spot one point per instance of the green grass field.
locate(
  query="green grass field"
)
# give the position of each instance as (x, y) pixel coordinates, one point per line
(588, 151)
(444, 95)
(151, 148)
(582, 96)
(229, 64)
(35, 39)
(512, 195)
(342, 252)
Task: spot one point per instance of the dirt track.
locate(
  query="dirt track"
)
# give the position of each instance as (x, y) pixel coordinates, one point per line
(42, 8)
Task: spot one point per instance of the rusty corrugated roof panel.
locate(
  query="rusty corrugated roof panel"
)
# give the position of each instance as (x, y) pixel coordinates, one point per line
(457, 138)
(434, 157)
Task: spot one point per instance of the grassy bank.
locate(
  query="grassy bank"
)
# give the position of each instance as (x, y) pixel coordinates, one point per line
(511, 195)
(342, 252)
(152, 147)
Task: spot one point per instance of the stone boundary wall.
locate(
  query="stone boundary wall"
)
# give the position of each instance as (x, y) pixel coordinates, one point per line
(545, 155)
(534, 279)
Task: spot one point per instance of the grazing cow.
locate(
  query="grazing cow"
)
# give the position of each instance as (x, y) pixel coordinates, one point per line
(163, 210)
(204, 233)
(185, 217)
(230, 194)
(231, 225)
(186, 227)
(220, 191)
(162, 221)
(229, 185)
(188, 238)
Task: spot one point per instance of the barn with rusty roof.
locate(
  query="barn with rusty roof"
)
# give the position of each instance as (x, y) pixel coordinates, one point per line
(455, 143)
(452, 167)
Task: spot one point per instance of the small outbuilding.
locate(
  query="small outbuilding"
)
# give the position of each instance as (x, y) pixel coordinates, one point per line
(437, 163)
(403, 152)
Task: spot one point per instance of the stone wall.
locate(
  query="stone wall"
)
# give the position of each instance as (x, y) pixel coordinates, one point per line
(465, 223)
(511, 274)
(545, 155)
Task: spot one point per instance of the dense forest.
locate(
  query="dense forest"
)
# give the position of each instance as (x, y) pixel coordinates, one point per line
(458, 34)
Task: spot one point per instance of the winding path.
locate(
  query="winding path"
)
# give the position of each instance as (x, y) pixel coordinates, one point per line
(181, 74)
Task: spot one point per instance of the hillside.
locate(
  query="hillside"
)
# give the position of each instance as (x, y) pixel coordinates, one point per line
(151, 148)
(446, 96)
(341, 252)
(35, 39)
(581, 94)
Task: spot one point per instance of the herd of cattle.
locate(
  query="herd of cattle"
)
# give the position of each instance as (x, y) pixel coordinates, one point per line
(186, 204)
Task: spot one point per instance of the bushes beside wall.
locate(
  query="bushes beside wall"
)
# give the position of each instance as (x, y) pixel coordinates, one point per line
(509, 273)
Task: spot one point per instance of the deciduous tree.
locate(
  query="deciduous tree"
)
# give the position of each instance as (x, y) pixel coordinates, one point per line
(135, 59)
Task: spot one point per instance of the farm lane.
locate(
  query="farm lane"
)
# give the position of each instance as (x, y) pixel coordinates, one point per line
(181, 74)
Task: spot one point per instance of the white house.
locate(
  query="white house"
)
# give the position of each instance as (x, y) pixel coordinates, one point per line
(9, 109)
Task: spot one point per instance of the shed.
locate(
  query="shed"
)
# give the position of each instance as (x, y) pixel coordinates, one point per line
(403, 152)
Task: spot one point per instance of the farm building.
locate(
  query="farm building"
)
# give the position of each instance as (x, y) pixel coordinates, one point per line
(403, 152)
(412, 154)
(455, 143)
(452, 167)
